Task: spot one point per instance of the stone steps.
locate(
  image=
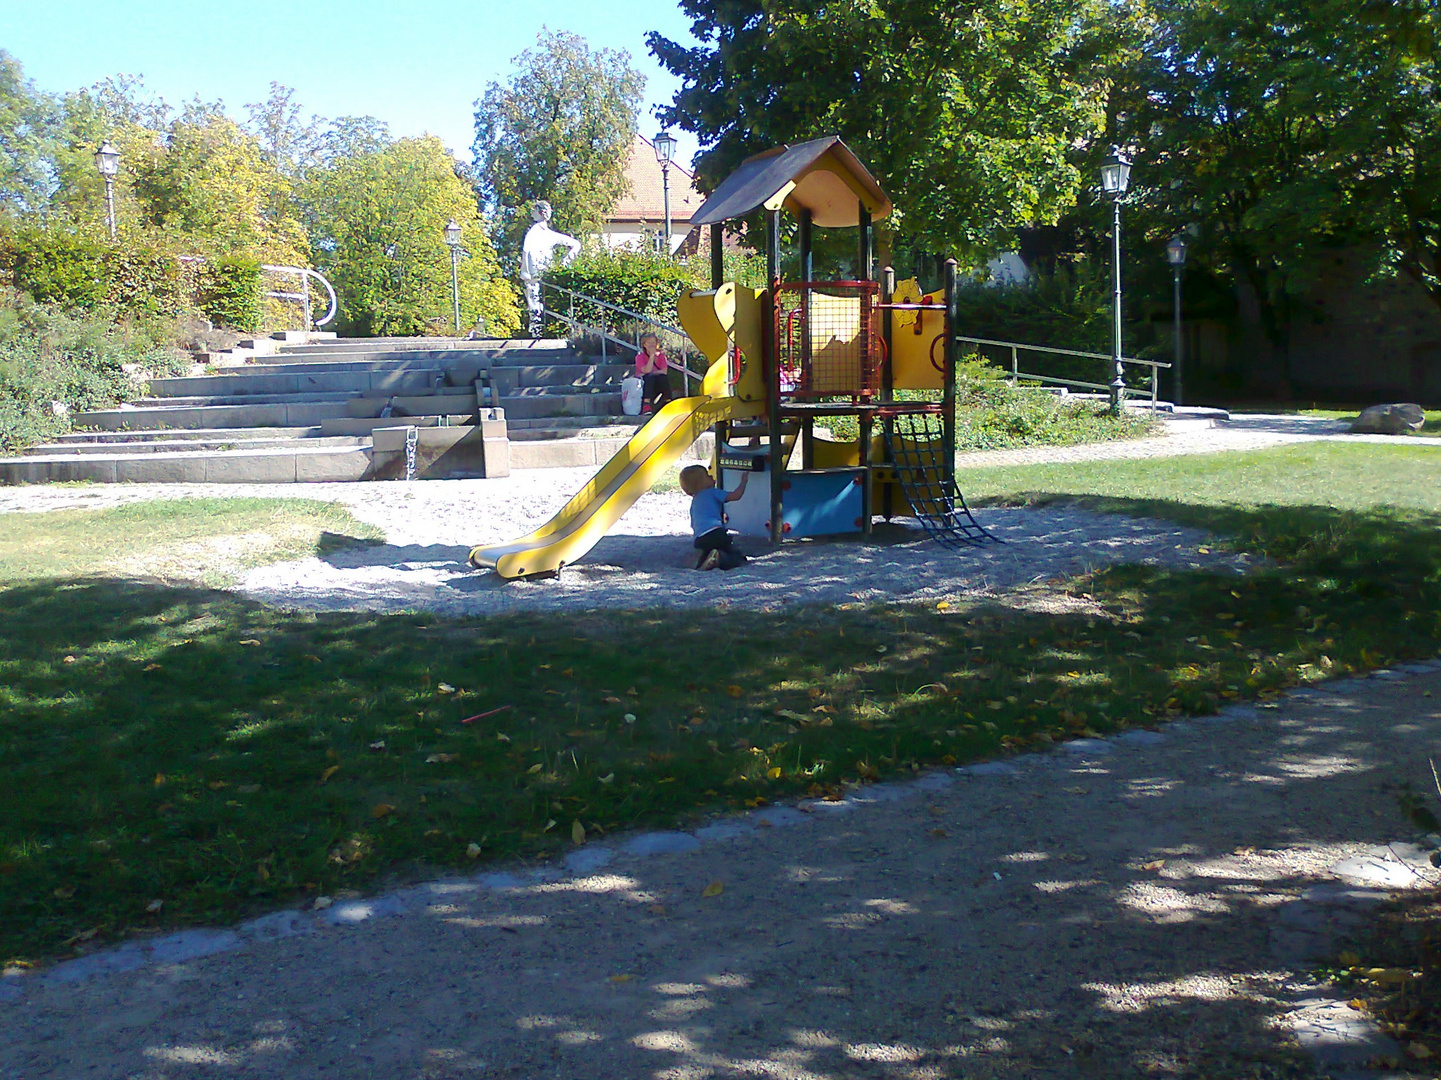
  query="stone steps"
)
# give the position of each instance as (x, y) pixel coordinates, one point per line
(313, 411)
(163, 444)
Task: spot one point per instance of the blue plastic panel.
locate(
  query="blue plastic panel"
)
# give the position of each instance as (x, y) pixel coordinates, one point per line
(824, 502)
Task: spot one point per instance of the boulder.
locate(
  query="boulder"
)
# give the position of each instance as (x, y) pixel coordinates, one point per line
(1389, 420)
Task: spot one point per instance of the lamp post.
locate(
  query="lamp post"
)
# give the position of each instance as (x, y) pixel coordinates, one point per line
(107, 164)
(1115, 178)
(664, 151)
(1176, 255)
(452, 241)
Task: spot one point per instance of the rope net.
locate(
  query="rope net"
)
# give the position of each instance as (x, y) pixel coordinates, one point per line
(917, 449)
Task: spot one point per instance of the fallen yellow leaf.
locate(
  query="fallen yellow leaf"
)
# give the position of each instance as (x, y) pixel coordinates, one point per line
(328, 773)
(250, 641)
(439, 758)
(621, 978)
(577, 832)
(773, 773)
(472, 850)
(1154, 864)
(607, 778)
(715, 888)
(445, 688)
(533, 769)
(1387, 976)
(943, 605)
(381, 810)
(549, 825)
(154, 906)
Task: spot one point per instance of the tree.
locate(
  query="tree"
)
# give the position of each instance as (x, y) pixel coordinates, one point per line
(1286, 129)
(28, 121)
(209, 181)
(969, 114)
(561, 130)
(288, 142)
(379, 220)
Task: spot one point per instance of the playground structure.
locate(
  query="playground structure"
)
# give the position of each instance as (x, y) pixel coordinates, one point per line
(782, 358)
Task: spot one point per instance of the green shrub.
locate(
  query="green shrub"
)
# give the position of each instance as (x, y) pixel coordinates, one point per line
(993, 414)
(55, 362)
(145, 281)
(230, 292)
(645, 283)
(55, 265)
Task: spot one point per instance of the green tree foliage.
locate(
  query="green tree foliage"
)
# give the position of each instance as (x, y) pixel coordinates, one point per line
(209, 180)
(379, 220)
(27, 130)
(559, 129)
(1284, 129)
(969, 114)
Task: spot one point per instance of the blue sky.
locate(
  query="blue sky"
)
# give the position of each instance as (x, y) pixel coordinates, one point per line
(418, 67)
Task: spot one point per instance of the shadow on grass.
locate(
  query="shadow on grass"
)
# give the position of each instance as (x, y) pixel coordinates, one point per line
(1112, 916)
(221, 756)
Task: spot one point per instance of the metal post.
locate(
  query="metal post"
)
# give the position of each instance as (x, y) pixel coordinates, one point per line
(888, 373)
(455, 285)
(717, 255)
(110, 205)
(1180, 345)
(948, 400)
(1118, 381)
(772, 367)
(717, 279)
(808, 447)
(865, 256)
(665, 196)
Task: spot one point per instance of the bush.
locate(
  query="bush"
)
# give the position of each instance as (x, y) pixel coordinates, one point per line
(230, 292)
(55, 362)
(642, 282)
(143, 280)
(53, 265)
(993, 414)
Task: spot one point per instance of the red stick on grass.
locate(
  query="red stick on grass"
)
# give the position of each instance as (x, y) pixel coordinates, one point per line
(482, 716)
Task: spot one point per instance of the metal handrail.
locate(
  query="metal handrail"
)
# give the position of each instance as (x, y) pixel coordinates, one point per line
(304, 295)
(1017, 347)
(576, 324)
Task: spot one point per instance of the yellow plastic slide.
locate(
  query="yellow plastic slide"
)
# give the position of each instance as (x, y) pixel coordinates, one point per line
(611, 492)
(710, 319)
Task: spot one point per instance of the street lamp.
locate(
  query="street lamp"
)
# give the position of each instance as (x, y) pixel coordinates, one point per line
(664, 151)
(452, 240)
(1176, 255)
(107, 163)
(1115, 178)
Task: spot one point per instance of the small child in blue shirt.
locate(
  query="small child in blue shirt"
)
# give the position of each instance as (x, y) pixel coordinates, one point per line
(707, 517)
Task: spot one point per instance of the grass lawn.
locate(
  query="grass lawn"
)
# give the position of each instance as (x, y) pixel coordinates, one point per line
(177, 755)
(189, 540)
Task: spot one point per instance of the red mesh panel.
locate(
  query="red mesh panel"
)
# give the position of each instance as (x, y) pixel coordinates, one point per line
(826, 337)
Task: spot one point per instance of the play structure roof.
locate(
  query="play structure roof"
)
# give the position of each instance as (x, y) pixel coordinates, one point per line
(822, 176)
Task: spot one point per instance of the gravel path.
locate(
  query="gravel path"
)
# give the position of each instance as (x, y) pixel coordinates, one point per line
(1134, 907)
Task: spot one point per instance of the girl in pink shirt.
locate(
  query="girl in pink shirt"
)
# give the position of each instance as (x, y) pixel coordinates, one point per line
(653, 369)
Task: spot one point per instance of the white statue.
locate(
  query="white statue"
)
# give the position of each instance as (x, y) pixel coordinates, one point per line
(536, 254)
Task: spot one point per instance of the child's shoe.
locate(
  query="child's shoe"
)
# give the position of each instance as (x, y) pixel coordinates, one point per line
(711, 560)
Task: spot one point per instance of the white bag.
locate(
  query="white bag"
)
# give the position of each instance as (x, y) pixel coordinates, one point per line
(631, 390)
